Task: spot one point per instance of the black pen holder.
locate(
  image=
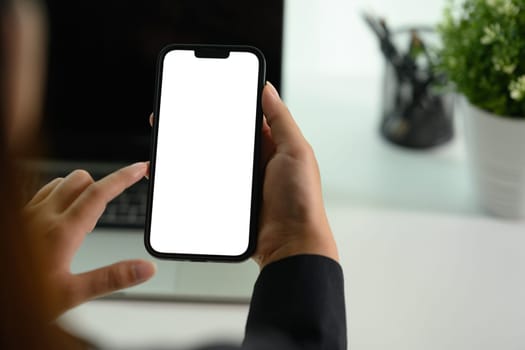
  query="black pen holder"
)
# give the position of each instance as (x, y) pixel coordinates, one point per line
(417, 109)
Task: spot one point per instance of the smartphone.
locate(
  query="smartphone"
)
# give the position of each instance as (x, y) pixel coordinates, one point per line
(205, 178)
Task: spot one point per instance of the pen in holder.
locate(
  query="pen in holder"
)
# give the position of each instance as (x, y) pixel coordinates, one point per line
(417, 109)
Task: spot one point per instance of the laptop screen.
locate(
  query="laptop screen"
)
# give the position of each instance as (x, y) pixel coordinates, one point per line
(102, 62)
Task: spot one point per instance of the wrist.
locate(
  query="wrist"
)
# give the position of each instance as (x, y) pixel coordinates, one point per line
(321, 245)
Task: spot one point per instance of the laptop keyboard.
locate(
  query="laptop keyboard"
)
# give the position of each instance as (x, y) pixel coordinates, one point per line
(127, 210)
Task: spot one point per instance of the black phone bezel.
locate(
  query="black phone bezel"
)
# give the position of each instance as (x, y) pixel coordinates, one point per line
(210, 50)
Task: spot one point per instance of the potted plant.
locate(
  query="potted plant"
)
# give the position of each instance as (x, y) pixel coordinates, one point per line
(483, 54)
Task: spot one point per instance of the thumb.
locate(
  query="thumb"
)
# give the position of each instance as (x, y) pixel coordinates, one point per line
(285, 132)
(112, 278)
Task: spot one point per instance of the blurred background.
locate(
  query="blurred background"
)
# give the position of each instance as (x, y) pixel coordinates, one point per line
(323, 57)
(333, 81)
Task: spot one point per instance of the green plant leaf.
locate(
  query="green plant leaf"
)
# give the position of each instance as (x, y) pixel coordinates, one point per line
(483, 52)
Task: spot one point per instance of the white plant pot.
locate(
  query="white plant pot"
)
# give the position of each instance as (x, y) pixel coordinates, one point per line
(496, 147)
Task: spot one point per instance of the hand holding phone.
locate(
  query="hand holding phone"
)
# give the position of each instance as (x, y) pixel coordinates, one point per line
(293, 219)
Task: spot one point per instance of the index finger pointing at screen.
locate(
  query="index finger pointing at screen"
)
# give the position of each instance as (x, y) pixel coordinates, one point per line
(89, 206)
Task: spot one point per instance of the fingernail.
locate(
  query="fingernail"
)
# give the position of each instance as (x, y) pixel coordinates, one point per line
(139, 167)
(273, 90)
(148, 170)
(144, 271)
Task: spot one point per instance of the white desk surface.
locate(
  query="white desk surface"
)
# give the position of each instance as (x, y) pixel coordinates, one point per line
(424, 267)
(423, 281)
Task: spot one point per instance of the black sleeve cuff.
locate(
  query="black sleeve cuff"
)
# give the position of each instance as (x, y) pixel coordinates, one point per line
(300, 299)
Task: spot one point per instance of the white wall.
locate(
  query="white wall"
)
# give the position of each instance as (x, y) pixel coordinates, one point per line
(329, 37)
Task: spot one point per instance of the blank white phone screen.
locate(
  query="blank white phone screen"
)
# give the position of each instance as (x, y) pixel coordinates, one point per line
(205, 153)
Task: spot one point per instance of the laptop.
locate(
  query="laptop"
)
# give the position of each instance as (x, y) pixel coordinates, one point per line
(101, 75)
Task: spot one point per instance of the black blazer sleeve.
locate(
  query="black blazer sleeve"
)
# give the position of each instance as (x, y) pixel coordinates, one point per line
(298, 303)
